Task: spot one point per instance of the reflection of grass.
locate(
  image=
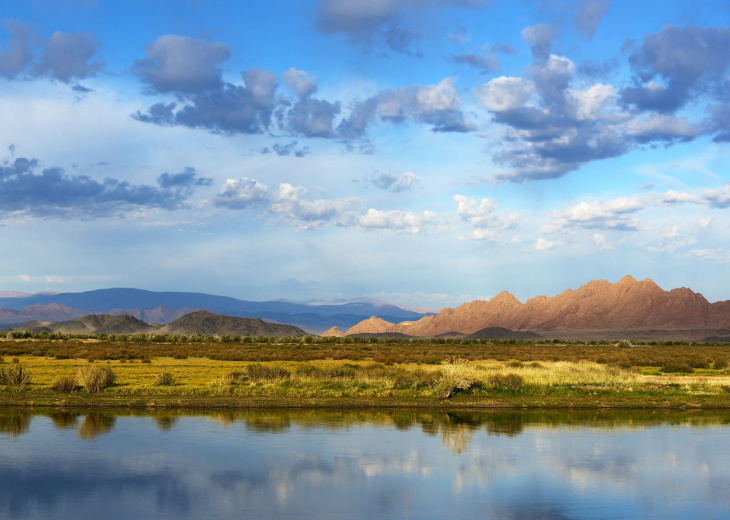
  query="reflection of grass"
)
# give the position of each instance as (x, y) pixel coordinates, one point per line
(206, 382)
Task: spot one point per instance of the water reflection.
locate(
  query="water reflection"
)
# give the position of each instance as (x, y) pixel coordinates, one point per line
(456, 428)
(14, 423)
(364, 464)
(95, 425)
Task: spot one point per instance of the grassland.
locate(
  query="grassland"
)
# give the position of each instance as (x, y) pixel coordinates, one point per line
(237, 374)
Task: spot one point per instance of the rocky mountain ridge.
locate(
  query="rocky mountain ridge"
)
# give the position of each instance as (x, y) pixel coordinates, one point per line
(598, 305)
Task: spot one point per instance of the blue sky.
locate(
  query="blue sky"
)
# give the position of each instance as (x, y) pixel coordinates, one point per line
(424, 152)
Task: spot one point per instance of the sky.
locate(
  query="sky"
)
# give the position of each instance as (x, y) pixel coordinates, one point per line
(421, 152)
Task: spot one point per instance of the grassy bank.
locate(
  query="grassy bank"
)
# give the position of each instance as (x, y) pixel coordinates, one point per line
(202, 382)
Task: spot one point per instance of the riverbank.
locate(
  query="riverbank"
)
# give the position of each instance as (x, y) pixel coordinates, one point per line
(201, 383)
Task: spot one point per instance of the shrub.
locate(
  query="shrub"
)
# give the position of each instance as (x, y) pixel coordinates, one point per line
(720, 364)
(456, 375)
(259, 372)
(14, 375)
(510, 381)
(164, 379)
(16, 360)
(676, 367)
(95, 378)
(64, 384)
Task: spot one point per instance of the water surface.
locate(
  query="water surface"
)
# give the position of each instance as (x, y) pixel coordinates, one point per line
(364, 464)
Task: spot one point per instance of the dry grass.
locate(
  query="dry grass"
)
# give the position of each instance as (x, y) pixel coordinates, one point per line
(365, 379)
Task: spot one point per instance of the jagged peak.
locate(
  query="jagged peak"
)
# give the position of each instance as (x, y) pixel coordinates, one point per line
(627, 280)
(505, 297)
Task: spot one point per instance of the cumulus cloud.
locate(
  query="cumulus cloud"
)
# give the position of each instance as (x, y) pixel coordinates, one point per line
(241, 193)
(289, 205)
(706, 223)
(484, 216)
(551, 127)
(64, 57)
(617, 215)
(68, 56)
(190, 69)
(181, 64)
(229, 109)
(52, 193)
(397, 221)
(680, 57)
(504, 94)
(718, 198)
(313, 117)
(300, 82)
(544, 245)
(386, 181)
(588, 14)
(18, 54)
(661, 127)
(436, 105)
(540, 38)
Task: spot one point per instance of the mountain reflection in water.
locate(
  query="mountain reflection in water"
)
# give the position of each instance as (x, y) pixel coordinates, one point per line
(364, 464)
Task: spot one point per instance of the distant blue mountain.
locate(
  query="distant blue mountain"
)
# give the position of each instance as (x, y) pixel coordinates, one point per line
(313, 318)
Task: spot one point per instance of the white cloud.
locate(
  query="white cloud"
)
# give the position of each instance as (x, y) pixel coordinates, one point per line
(587, 104)
(718, 198)
(599, 240)
(505, 93)
(240, 193)
(674, 197)
(544, 245)
(705, 223)
(484, 217)
(25, 277)
(288, 204)
(616, 214)
(300, 82)
(395, 220)
(663, 128)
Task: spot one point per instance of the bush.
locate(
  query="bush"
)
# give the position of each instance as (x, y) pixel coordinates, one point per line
(95, 378)
(510, 381)
(720, 364)
(456, 376)
(676, 367)
(259, 372)
(64, 384)
(14, 376)
(164, 379)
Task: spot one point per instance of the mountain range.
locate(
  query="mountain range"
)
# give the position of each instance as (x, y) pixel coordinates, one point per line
(165, 307)
(630, 307)
(198, 322)
(597, 310)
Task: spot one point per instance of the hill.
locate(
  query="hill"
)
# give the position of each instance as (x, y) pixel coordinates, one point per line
(207, 323)
(201, 322)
